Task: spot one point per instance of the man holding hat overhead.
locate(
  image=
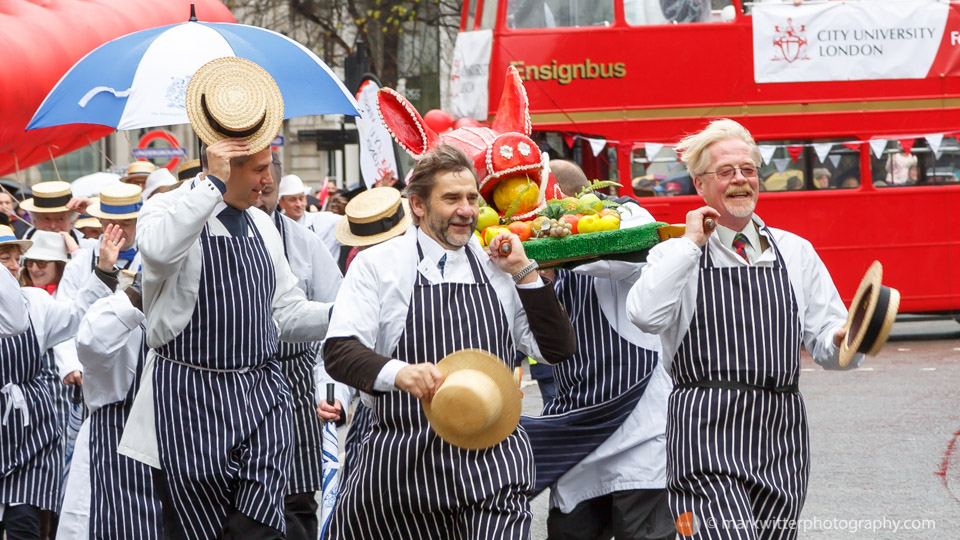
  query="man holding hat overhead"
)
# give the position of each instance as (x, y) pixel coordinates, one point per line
(293, 202)
(48, 209)
(404, 305)
(733, 308)
(319, 279)
(213, 411)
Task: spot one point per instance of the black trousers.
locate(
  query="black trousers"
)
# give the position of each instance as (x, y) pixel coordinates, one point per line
(237, 526)
(21, 522)
(300, 513)
(641, 514)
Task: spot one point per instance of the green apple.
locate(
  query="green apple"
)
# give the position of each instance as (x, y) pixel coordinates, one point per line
(592, 201)
(488, 217)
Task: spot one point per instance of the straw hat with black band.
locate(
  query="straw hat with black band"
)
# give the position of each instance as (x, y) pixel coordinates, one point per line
(479, 403)
(188, 169)
(234, 97)
(7, 238)
(117, 201)
(49, 197)
(374, 216)
(871, 316)
(139, 170)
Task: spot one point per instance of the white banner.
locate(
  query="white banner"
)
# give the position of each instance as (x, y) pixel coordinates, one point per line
(841, 41)
(470, 75)
(376, 144)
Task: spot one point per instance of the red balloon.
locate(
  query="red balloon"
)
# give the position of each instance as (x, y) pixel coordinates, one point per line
(438, 121)
(42, 40)
(466, 122)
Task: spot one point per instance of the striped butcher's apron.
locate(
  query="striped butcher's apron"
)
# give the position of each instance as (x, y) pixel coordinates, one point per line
(737, 441)
(31, 454)
(222, 405)
(296, 364)
(597, 388)
(408, 482)
(123, 502)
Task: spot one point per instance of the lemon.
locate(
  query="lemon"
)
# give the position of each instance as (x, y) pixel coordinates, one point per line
(509, 189)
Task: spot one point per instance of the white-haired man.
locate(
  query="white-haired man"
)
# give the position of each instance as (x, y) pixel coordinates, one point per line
(293, 202)
(733, 310)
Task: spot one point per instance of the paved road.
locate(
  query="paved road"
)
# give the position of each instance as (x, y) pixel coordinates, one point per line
(881, 440)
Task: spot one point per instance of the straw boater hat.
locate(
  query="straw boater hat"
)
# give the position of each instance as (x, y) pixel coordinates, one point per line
(478, 404)
(48, 198)
(233, 97)
(871, 316)
(117, 201)
(138, 169)
(47, 246)
(188, 169)
(7, 238)
(85, 221)
(374, 216)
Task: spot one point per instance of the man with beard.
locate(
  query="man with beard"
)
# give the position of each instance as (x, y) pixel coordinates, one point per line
(405, 304)
(733, 310)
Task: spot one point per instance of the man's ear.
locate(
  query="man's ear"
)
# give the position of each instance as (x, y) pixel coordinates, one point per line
(418, 206)
(698, 184)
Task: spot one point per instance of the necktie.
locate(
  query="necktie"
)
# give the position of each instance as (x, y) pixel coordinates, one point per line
(234, 221)
(128, 254)
(740, 245)
(442, 263)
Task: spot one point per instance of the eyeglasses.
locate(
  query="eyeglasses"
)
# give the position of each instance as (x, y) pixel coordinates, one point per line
(40, 264)
(727, 173)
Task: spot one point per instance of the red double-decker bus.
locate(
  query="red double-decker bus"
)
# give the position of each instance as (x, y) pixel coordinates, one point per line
(865, 169)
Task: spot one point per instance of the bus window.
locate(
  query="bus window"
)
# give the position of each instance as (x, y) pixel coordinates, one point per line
(659, 175)
(840, 169)
(559, 13)
(782, 172)
(488, 19)
(644, 12)
(921, 166)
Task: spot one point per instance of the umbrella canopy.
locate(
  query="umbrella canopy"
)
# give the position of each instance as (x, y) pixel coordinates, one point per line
(140, 80)
(41, 40)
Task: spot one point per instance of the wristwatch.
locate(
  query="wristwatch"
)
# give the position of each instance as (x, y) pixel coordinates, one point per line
(525, 270)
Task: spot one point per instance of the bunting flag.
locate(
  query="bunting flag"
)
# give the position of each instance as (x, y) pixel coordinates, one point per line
(781, 164)
(767, 151)
(597, 145)
(878, 145)
(906, 144)
(853, 145)
(795, 150)
(674, 166)
(569, 139)
(834, 159)
(822, 150)
(652, 149)
(935, 140)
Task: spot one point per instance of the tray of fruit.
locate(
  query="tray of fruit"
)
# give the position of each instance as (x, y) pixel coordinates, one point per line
(574, 230)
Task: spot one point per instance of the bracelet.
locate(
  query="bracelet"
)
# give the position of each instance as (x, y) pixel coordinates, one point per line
(525, 271)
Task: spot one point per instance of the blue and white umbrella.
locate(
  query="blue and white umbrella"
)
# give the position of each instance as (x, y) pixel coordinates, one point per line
(330, 467)
(140, 80)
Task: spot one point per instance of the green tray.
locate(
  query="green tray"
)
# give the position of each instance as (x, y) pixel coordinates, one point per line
(623, 245)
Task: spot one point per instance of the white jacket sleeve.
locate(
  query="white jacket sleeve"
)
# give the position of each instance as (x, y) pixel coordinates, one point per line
(824, 313)
(652, 303)
(14, 316)
(170, 224)
(106, 348)
(63, 317)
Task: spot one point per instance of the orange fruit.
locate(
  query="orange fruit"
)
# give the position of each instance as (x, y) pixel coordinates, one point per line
(509, 189)
(521, 229)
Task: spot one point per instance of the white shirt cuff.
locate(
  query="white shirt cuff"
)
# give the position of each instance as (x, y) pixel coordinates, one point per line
(386, 380)
(535, 285)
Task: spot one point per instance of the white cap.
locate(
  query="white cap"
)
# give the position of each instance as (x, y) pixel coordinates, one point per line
(291, 184)
(157, 179)
(47, 246)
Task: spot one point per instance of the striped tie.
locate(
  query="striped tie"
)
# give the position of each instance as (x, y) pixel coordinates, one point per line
(740, 245)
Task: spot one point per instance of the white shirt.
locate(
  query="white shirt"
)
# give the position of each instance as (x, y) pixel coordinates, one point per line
(324, 224)
(634, 456)
(375, 296)
(168, 234)
(108, 345)
(663, 300)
